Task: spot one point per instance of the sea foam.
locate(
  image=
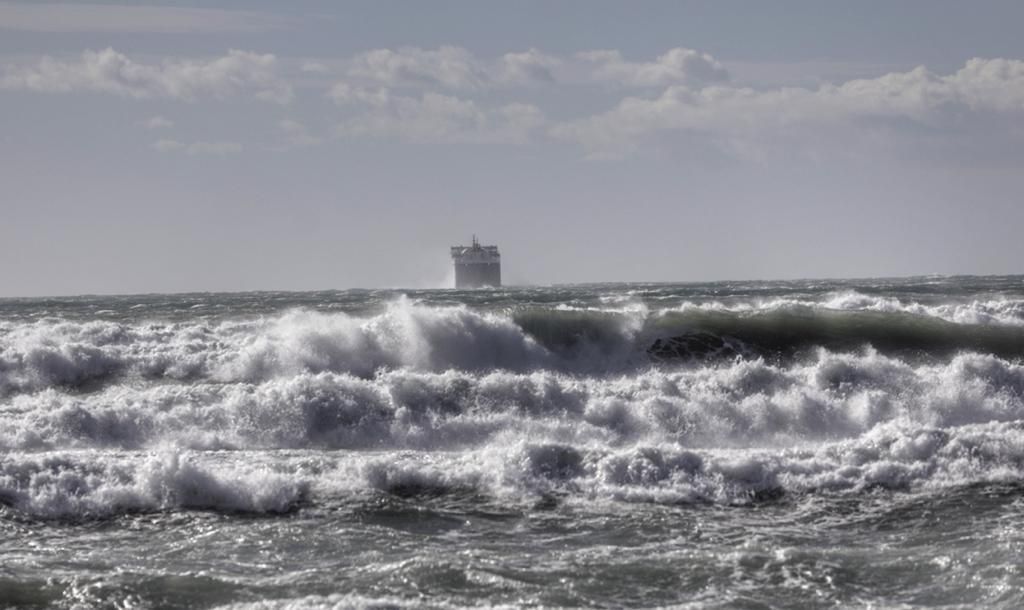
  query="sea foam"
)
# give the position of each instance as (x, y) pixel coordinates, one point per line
(89, 484)
(85, 356)
(103, 417)
(735, 404)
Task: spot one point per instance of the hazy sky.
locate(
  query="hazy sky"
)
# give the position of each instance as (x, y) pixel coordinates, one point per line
(164, 147)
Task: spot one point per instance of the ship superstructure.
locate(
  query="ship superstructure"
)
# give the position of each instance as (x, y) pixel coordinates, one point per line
(476, 265)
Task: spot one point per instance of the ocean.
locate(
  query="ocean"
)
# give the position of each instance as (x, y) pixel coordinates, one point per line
(731, 444)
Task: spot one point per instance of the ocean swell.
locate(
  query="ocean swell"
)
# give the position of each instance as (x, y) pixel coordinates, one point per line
(740, 403)
(896, 456)
(704, 402)
(89, 485)
(86, 356)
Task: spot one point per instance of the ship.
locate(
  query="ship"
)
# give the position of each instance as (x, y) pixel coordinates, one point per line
(476, 266)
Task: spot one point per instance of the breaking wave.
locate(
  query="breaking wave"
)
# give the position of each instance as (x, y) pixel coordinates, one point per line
(700, 402)
(89, 355)
(738, 403)
(993, 311)
(741, 431)
(93, 485)
(893, 456)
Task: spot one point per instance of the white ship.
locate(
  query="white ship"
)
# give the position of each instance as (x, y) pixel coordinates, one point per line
(476, 265)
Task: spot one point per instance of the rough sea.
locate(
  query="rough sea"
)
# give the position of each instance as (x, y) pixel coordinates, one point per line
(735, 444)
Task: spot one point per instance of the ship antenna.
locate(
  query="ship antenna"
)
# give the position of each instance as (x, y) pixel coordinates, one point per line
(475, 242)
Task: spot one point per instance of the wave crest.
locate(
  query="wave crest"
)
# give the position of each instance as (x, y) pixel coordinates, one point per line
(737, 404)
(84, 486)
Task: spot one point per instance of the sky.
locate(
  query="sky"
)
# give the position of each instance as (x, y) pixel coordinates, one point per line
(225, 145)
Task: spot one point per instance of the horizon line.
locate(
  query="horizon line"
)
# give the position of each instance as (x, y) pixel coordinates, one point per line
(515, 286)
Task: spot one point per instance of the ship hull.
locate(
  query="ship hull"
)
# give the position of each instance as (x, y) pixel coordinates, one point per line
(477, 275)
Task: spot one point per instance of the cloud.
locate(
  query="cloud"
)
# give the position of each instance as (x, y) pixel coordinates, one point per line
(213, 148)
(456, 68)
(450, 67)
(158, 122)
(346, 93)
(448, 94)
(66, 17)
(434, 117)
(296, 134)
(674, 67)
(530, 66)
(314, 67)
(219, 148)
(167, 145)
(447, 66)
(108, 71)
(377, 110)
(917, 96)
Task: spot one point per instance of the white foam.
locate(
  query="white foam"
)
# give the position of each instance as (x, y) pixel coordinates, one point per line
(891, 456)
(994, 311)
(48, 353)
(748, 403)
(895, 455)
(104, 417)
(91, 484)
(337, 601)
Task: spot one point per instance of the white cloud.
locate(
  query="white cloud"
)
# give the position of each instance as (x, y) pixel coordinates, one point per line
(446, 66)
(214, 148)
(450, 67)
(296, 134)
(167, 145)
(995, 85)
(345, 93)
(219, 148)
(434, 117)
(530, 66)
(454, 67)
(314, 67)
(407, 94)
(379, 111)
(108, 71)
(158, 122)
(674, 67)
(66, 17)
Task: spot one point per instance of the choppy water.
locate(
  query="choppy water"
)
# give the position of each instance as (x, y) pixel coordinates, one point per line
(726, 444)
